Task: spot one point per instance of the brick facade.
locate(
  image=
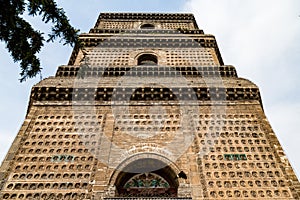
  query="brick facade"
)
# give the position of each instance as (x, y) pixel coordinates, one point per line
(147, 96)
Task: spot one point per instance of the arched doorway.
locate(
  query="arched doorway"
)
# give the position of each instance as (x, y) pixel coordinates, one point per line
(147, 59)
(147, 26)
(147, 178)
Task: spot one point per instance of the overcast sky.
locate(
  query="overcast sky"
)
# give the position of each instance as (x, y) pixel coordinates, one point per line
(261, 38)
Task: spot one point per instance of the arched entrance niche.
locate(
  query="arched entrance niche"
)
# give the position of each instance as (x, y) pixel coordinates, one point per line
(147, 177)
(147, 59)
(147, 26)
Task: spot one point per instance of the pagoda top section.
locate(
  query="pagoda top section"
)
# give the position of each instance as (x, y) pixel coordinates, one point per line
(147, 17)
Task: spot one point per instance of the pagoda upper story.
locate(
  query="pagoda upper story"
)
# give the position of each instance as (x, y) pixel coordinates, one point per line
(121, 21)
(146, 45)
(151, 30)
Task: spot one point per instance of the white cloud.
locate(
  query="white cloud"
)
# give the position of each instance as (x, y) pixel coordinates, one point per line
(262, 40)
(284, 119)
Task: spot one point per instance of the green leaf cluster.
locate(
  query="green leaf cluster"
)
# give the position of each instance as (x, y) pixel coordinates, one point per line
(23, 41)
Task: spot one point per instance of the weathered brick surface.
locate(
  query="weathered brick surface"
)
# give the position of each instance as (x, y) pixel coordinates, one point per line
(105, 118)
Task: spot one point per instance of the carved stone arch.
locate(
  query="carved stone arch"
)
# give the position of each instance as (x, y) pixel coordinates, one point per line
(147, 26)
(135, 157)
(145, 164)
(135, 54)
(147, 59)
(150, 55)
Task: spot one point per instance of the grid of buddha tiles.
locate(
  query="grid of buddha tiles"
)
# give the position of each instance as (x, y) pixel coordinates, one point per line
(70, 149)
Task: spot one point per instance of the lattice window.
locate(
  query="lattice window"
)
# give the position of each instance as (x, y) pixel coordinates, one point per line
(146, 180)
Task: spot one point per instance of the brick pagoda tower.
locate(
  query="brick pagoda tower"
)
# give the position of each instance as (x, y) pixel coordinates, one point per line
(146, 108)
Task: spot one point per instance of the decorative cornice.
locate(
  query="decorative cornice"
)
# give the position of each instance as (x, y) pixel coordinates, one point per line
(121, 94)
(155, 16)
(147, 16)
